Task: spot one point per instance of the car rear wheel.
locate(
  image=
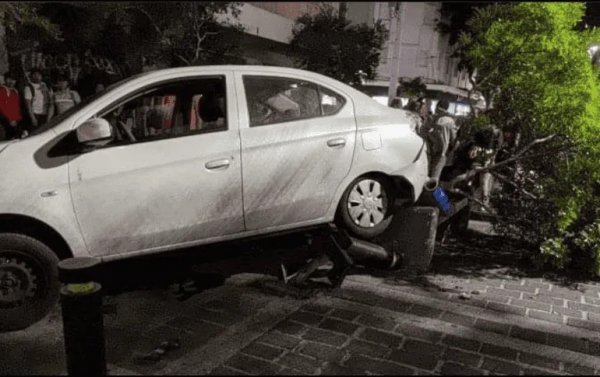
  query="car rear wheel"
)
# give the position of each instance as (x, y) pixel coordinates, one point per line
(366, 206)
(29, 285)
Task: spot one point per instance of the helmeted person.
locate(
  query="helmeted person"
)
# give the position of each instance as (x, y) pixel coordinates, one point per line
(441, 139)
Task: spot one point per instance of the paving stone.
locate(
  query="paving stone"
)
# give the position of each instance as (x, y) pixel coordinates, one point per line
(291, 372)
(539, 372)
(536, 284)
(317, 308)
(419, 354)
(594, 348)
(251, 364)
(307, 318)
(593, 317)
(529, 334)
(537, 314)
(539, 361)
(366, 364)
(499, 351)
(279, 340)
(288, 327)
(504, 292)
(545, 299)
(459, 319)
(263, 351)
(461, 342)
(519, 287)
(425, 311)
(376, 322)
(302, 363)
(583, 307)
(347, 315)
(393, 304)
(567, 312)
(531, 304)
(432, 336)
(578, 369)
(454, 369)
(222, 318)
(584, 324)
(201, 328)
(562, 293)
(324, 336)
(495, 327)
(339, 326)
(462, 357)
(567, 342)
(226, 371)
(333, 369)
(504, 308)
(498, 366)
(497, 298)
(381, 337)
(358, 347)
(322, 352)
(592, 300)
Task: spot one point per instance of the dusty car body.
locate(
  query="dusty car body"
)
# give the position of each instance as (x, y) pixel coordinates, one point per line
(218, 153)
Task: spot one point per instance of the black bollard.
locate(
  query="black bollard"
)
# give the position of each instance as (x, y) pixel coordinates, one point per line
(83, 324)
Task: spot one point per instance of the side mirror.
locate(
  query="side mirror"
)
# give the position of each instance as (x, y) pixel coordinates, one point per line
(94, 130)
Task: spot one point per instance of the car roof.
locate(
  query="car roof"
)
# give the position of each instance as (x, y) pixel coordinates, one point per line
(239, 68)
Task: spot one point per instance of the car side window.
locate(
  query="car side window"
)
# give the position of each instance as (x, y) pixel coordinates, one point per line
(174, 109)
(276, 99)
(331, 102)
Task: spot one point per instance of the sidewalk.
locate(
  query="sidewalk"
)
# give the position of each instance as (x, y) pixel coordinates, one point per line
(479, 311)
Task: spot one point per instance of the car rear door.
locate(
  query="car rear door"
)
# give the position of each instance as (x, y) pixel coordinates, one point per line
(293, 160)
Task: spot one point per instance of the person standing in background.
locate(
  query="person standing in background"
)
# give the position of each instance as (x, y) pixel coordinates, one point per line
(38, 100)
(64, 97)
(10, 108)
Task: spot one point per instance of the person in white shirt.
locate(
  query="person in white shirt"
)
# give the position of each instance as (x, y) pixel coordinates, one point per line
(64, 97)
(38, 100)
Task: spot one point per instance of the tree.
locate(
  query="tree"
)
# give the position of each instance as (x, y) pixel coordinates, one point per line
(546, 86)
(173, 33)
(329, 44)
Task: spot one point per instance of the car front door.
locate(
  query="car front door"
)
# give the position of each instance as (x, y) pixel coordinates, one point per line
(297, 145)
(170, 176)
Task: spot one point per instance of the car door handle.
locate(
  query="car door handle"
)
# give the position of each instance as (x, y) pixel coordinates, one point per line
(216, 164)
(339, 142)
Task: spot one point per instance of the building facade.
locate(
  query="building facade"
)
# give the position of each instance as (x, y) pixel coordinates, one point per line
(414, 47)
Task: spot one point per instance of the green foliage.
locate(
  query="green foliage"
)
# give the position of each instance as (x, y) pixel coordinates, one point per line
(544, 85)
(173, 33)
(413, 88)
(329, 44)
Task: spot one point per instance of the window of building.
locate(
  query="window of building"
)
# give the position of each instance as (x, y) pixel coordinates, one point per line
(276, 99)
(174, 109)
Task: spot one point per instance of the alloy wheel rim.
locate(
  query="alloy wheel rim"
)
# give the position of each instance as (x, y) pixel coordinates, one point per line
(367, 203)
(18, 280)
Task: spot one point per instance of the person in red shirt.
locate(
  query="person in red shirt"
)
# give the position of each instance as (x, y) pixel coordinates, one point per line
(10, 107)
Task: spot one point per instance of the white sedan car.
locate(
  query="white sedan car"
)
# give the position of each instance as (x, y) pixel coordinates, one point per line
(189, 156)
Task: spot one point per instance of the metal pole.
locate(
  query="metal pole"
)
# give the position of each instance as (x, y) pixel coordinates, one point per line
(397, 18)
(83, 324)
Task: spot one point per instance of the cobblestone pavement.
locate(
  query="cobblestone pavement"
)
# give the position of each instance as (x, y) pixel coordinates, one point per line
(481, 310)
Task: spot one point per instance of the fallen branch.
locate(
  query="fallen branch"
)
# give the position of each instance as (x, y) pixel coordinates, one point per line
(461, 192)
(513, 184)
(473, 172)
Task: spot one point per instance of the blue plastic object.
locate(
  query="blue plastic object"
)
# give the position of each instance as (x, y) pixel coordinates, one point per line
(442, 199)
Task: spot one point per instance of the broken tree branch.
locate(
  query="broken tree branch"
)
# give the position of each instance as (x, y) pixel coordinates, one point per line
(473, 172)
(516, 186)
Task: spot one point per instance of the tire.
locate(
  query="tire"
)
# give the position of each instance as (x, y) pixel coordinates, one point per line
(380, 212)
(29, 286)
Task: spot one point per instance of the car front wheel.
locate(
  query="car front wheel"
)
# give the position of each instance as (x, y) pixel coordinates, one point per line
(366, 206)
(29, 285)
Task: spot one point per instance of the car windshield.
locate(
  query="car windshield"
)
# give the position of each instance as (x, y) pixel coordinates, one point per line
(61, 117)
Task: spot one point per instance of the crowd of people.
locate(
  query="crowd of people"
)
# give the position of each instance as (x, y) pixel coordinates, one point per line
(451, 155)
(23, 111)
